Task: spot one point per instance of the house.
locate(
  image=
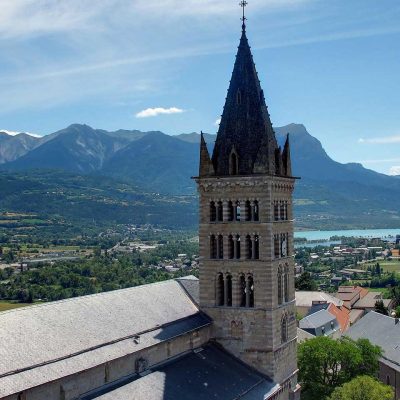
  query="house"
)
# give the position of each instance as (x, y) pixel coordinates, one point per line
(382, 331)
(320, 323)
(306, 299)
(367, 303)
(350, 295)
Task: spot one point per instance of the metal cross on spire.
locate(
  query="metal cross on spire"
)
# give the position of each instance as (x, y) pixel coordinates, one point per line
(243, 4)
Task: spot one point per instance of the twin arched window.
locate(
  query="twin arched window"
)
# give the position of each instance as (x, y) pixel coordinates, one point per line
(283, 284)
(224, 290)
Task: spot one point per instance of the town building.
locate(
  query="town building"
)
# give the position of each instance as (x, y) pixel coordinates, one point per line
(230, 335)
(384, 332)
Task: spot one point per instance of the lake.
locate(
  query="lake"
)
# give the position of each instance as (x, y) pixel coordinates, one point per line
(365, 233)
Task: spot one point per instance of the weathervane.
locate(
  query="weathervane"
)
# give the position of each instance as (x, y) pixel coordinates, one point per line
(243, 4)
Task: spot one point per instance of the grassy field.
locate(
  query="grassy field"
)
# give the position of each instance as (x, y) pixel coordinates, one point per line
(387, 266)
(8, 305)
(385, 292)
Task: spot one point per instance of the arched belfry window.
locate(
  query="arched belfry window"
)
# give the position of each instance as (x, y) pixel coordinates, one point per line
(280, 286)
(238, 211)
(250, 288)
(231, 247)
(220, 290)
(256, 211)
(220, 211)
(229, 290)
(286, 284)
(231, 211)
(213, 212)
(233, 163)
(242, 288)
(213, 247)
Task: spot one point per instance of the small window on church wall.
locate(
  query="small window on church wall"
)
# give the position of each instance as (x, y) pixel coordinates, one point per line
(220, 211)
(234, 165)
(22, 396)
(213, 212)
(229, 290)
(387, 380)
(220, 290)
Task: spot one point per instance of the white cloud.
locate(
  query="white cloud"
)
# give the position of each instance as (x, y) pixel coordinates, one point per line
(13, 133)
(154, 112)
(217, 122)
(395, 170)
(381, 140)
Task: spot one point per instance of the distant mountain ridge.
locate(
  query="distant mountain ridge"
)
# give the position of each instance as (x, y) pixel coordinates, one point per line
(164, 164)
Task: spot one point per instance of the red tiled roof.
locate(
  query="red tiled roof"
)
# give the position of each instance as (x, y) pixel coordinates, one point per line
(342, 315)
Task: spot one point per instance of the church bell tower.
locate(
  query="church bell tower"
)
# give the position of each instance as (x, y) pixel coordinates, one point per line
(246, 232)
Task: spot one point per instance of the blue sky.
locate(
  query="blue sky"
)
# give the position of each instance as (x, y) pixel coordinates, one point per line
(332, 65)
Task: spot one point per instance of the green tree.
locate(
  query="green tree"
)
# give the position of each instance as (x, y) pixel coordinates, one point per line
(305, 282)
(325, 363)
(380, 307)
(363, 388)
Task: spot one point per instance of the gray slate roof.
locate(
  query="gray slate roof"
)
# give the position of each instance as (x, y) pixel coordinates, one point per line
(319, 318)
(191, 285)
(209, 374)
(381, 330)
(49, 341)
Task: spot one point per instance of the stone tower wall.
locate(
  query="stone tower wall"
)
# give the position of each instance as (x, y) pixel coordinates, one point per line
(252, 333)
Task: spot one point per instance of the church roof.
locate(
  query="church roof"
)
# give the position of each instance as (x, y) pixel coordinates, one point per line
(210, 373)
(245, 126)
(49, 341)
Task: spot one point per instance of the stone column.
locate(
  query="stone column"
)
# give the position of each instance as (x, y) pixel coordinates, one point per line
(225, 210)
(235, 291)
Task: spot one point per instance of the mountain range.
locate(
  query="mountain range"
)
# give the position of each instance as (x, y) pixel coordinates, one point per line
(328, 194)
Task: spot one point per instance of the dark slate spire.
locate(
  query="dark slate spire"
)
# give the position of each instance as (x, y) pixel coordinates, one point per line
(245, 135)
(206, 168)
